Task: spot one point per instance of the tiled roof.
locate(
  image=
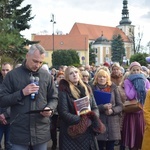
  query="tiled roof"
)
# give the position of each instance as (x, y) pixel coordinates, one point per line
(95, 31)
(78, 37)
(74, 42)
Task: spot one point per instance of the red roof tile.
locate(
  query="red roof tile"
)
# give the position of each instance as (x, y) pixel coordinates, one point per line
(75, 42)
(95, 31)
(78, 37)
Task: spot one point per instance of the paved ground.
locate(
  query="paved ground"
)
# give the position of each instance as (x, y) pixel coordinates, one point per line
(49, 147)
(50, 144)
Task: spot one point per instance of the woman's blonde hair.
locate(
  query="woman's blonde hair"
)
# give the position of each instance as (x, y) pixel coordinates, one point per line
(115, 64)
(104, 68)
(74, 90)
(104, 73)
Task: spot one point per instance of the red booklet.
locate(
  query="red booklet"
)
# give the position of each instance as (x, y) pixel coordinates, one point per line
(82, 105)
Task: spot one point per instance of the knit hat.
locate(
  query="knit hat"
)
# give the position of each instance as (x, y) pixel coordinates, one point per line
(106, 64)
(135, 63)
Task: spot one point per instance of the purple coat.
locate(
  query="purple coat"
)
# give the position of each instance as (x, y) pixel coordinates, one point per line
(133, 123)
(130, 90)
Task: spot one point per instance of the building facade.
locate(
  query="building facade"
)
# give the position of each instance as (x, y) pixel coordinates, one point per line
(82, 34)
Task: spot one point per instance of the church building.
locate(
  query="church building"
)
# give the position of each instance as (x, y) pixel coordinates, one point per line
(81, 35)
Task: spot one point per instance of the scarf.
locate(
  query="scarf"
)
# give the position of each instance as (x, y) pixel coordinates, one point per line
(138, 81)
(104, 88)
(82, 90)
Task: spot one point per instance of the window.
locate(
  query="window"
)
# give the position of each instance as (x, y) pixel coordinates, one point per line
(107, 50)
(95, 50)
(61, 43)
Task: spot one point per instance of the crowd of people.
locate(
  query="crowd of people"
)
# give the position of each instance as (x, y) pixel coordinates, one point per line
(37, 102)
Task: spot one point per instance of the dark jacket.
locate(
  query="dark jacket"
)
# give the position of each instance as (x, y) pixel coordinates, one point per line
(6, 110)
(28, 128)
(112, 122)
(68, 117)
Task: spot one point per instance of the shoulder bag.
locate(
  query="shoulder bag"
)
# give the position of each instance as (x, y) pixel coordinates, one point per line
(132, 106)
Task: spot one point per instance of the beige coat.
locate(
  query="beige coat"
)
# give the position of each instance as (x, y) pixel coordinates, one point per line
(122, 93)
(112, 122)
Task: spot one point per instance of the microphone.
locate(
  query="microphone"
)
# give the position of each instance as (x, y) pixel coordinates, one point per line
(32, 78)
(36, 81)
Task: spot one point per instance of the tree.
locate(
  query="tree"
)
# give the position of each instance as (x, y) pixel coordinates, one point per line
(139, 57)
(92, 55)
(65, 57)
(136, 40)
(13, 20)
(118, 50)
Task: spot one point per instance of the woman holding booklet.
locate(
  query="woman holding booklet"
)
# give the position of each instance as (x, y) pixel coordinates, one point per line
(79, 115)
(110, 106)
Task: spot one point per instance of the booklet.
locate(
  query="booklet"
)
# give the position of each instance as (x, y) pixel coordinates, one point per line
(102, 97)
(82, 105)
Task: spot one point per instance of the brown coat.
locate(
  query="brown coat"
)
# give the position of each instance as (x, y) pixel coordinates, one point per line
(116, 79)
(122, 93)
(123, 99)
(112, 122)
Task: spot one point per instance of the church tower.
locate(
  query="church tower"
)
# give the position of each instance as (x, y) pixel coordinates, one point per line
(125, 23)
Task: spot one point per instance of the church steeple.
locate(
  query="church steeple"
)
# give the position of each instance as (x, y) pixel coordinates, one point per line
(125, 14)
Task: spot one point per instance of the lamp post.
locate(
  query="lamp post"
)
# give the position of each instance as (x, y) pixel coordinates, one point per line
(53, 22)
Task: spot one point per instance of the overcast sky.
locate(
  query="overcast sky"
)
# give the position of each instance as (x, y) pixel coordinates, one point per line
(97, 12)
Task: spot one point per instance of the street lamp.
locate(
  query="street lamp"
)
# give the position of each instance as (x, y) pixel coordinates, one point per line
(53, 22)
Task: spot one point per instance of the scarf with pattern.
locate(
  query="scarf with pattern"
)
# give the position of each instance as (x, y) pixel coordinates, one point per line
(138, 81)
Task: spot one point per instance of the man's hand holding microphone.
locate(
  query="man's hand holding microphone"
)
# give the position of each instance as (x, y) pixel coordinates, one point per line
(32, 89)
